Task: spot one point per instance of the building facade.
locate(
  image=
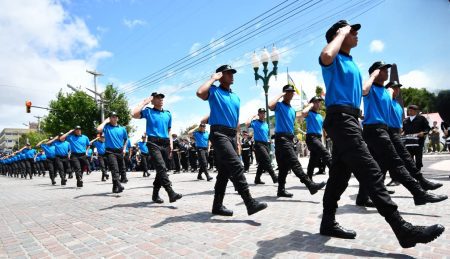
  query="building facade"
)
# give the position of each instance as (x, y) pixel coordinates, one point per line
(9, 138)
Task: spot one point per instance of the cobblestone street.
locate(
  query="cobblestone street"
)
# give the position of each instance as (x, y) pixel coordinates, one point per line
(39, 220)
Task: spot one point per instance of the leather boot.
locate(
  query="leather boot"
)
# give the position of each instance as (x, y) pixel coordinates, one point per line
(282, 192)
(426, 184)
(155, 195)
(258, 180)
(218, 208)
(173, 196)
(123, 178)
(208, 178)
(199, 176)
(329, 227)
(312, 186)
(409, 235)
(103, 178)
(273, 176)
(252, 205)
(428, 197)
(117, 187)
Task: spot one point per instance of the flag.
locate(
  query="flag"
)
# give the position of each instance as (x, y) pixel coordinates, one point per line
(291, 82)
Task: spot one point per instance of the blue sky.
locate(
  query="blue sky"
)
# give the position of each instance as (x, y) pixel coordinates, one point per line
(129, 40)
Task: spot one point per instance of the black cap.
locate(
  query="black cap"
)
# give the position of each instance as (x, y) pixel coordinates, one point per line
(315, 98)
(113, 114)
(378, 65)
(288, 88)
(77, 127)
(61, 133)
(333, 29)
(28, 144)
(156, 94)
(143, 136)
(413, 107)
(393, 84)
(224, 68)
(261, 110)
(202, 125)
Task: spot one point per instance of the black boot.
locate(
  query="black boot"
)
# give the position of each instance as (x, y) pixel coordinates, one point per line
(173, 196)
(123, 178)
(117, 187)
(426, 184)
(252, 205)
(366, 203)
(63, 181)
(80, 183)
(329, 227)
(103, 178)
(428, 197)
(218, 208)
(208, 177)
(282, 192)
(274, 177)
(312, 186)
(409, 235)
(155, 195)
(199, 176)
(258, 180)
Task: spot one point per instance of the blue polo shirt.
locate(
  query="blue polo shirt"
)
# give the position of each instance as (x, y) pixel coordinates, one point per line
(158, 122)
(78, 144)
(41, 157)
(100, 146)
(376, 105)
(224, 106)
(314, 122)
(89, 154)
(62, 148)
(260, 130)
(395, 118)
(201, 139)
(115, 136)
(22, 156)
(29, 153)
(343, 82)
(143, 147)
(128, 146)
(284, 118)
(49, 150)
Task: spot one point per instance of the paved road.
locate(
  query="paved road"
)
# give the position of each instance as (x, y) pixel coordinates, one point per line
(39, 220)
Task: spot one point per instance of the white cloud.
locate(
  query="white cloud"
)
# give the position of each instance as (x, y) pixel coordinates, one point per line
(416, 79)
(133, 23)
(376, 46)
(46, 48)
(215, 44)
(193, 51)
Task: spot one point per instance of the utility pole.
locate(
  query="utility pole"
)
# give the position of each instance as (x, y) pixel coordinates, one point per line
(95, 74)
(39, 122)
(102, 102)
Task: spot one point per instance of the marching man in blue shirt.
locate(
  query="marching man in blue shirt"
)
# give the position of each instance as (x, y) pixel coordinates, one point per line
(284, 144)
(224, 121)
(159, 142)
(145, 157)
(99, 144)
(79, 145)
(262, 145)
(314, 122)
(350, 154)
(116, 139)
(50, 161)
(201, 137)
(62, 163)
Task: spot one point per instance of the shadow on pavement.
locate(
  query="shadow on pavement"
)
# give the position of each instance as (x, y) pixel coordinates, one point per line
(313, 243)
(142, 204)
(277, 199)
(202, 217)
(102, 194)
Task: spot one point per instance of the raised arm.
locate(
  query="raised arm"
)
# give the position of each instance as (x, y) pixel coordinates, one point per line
(40, 143)
(193, 130)
(203, 90)
(205, 119)
(52, 140)
(332, 49)
(136, 113)
(249, 121)
(63, 137)
(369, 82)
(273, 102)
(306, 110)
(92, 141)
(100, 127)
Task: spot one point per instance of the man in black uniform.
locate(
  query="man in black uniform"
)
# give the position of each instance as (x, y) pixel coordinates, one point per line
(176, 153)
(184, 155)
(415, 129)
(246, 150)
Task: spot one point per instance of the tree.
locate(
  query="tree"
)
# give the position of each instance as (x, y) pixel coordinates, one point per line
(421, 97)
(70, 110)
(32, 137)
(117, 102)
(185, 132)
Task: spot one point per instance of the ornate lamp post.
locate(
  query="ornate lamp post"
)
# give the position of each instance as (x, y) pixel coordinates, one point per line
(265, 56)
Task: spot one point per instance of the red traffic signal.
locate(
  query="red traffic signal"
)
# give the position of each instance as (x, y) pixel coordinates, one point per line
(28, 106)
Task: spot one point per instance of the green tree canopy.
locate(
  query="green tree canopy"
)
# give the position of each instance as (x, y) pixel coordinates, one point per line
(421, 97)
(117, 102)
(33, 138)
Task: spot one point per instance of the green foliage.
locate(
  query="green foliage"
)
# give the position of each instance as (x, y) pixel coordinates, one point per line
(185, 132)
(117, 102)
(421, 97)
(32, 137)
(319, 90)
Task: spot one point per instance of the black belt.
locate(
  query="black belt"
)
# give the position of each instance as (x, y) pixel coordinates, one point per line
(375, 126)
(395, 130)
(344, 109)
(162, 141)
(224, 129)
(313, 135)
(114, 150)
(61, 156)
(284, 134)
(261, 142)
(202, 148)
(78, 154)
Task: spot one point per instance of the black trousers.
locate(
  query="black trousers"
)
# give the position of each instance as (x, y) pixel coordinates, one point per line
(78, 161)
(202, 161)
(63, 166)
(287, 159)
(262, 154)
(318, 153)
(101, 163)
(116, 163)
(350, 154)
(193, 158)
(211, 158)
(229, 164)
(384, 153)
(417, 153)
(30, 167)
(51, 167)
(176, 160)
(159, 155)
(397, 141)
(145, 162)
(184, 159)
(246, 156)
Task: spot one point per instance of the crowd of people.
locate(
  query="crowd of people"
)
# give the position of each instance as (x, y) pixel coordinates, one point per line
(367, 146)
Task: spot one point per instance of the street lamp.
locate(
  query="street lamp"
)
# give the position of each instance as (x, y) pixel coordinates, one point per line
(265, 56)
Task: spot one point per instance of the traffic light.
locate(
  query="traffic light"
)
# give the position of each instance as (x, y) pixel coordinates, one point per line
(28, 106)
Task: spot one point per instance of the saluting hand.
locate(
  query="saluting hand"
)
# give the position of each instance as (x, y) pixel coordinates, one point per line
(216, 76)
(344, 30)
(148, 100)
(375, 73)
